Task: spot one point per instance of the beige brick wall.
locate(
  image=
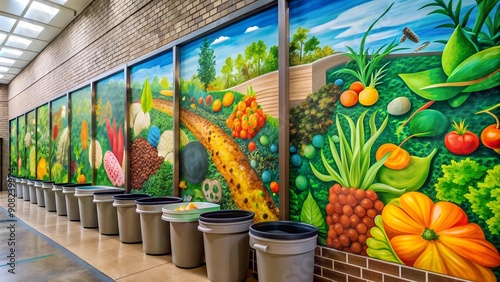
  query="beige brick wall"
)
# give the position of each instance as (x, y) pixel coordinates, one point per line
(4, 132)
(106, 35)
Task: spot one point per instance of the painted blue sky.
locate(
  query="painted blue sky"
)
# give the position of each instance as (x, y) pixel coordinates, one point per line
(119, 77)
(232, 40)
(160, 65)
(344, 22)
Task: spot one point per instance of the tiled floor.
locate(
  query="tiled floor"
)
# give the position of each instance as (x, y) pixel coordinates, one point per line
(119, 261)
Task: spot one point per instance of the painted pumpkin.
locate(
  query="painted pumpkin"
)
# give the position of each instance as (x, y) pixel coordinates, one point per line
(438, 237)
(84, 135)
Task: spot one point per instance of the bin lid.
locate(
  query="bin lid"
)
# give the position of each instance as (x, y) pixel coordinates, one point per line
(113, 192)
(130, 196)
(77, 184)
(283, 230)
(158, 200)
(170, 214)
(226, 216)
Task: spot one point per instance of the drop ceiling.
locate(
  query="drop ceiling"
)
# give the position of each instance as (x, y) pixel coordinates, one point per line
(27, 27)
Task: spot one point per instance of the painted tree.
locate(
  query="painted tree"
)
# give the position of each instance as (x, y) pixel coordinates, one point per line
(227, 72)
(256, 53)
(303, 50)
(242, 68)
(271, 63)
(206, 64)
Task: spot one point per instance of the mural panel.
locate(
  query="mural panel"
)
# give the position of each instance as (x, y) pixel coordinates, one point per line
(42, 144)
(21, 146)
(151, 126)
(81, 131)
(229, 117)
(60, 141)
(109, 140)
(30, 144)
(13, 162)
(394, 140)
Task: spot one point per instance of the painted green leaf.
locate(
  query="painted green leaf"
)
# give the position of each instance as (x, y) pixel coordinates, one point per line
(458, 48)
(311, 214)
(459, 99)
(146, 97)
(419, 80)
(428, 123)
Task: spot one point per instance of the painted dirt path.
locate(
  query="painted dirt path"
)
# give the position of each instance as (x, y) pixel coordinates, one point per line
(248, 191)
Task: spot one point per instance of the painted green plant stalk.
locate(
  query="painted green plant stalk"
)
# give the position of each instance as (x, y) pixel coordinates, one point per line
(366, 64)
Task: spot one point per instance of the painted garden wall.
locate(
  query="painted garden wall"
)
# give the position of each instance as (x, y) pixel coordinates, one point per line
(396, 156)
(151, 126)
(42, 145)
(13, 156)
(59, 144)
(80, 118)
(229, 139)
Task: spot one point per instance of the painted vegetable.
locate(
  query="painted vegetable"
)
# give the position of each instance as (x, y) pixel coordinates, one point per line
(428, 123)
(461, 141)
(194, 162)
(95, 145)
(228, 99)
(353, 201)
(356, 86)
(81, 179)
(438, 237)
(247, 118)
(41, 169)
(154, 136)
(166, 146)
(491, 134)
(113, 169)
(368, 96)
(379, 245)
(116, 140)
(399, 106)
(411, 178)
(142, 121)
(84, 135)
(62, 146)
(348, 98)
(399, 158)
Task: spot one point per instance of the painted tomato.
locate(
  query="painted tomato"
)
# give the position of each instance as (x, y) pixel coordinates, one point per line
(461, 141)
(491, 137)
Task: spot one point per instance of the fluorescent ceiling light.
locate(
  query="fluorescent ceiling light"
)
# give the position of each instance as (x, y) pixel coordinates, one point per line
(6, 61)
(4, 69)
(41, 12)
(15, 41)
(6, 23)
(59, 1)
(28, 29)
(2, 37)
(1, 75)
(10, 52)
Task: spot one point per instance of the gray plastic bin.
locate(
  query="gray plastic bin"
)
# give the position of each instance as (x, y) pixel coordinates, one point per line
(155, 231)
(19, 187)
(72, 207)
(86, 205)
(129, 221)
(39, 193)
(32, 193)
(186, 239)
(226, 241)
(107, 217)
(26, 189)
(60, 199)
(284, 250)
(49, 196)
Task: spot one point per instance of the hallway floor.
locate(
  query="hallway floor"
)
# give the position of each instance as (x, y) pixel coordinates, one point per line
(48, 246)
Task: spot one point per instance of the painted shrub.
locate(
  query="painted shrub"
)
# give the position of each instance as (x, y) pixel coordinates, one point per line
(42, 144)
(229, 117)
(59, 145)
(21, 160)
(30, 144)
(396, 155)
(109, 143)
(80, 118)
(13, 147)
(151, 126)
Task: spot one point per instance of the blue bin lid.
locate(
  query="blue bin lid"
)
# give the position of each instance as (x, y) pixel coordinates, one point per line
(114, 192)
(226, 216)
(158, 200)
(77, 184)
(283, 230)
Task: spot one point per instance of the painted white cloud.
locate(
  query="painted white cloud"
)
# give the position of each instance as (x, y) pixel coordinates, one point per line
(398, 15)
(220, 39)
(251, 28)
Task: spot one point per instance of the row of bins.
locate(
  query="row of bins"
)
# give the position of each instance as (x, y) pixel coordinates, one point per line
(221, 239)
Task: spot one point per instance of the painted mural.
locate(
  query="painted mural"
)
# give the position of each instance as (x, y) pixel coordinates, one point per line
(80, 133)
(21, 145)
(30, 144)
(13, 147)
(396, 154)
(42, 144)
(59, 144)
(151, 126)
(109, 136)
(229, 117)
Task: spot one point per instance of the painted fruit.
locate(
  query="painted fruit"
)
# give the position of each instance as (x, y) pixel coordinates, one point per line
(491, 137)
(293, 149)
(309, 151)
(296, 160)
(274, 148)
(348, 98)
(264, 140)
(318, 141)
(216, 106)
(266, 176)
(301, 182)
(208, 100)
(339, 82)
(228, 99)
(368, 96)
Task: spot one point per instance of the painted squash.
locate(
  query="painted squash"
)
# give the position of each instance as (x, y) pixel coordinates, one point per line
(84, 134)
(438, 237)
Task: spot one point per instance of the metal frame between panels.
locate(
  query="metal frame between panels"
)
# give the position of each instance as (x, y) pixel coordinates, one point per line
(175, 48)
